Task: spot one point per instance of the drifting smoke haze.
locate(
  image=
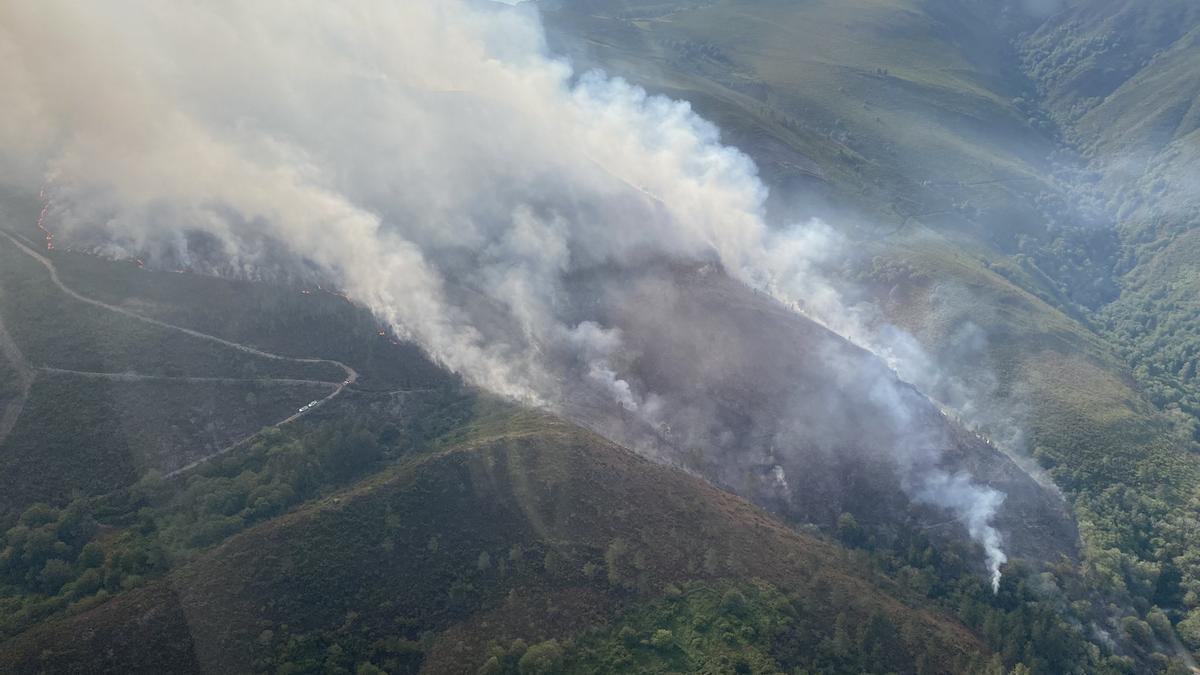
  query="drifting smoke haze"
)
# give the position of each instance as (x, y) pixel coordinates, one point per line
(433, 161)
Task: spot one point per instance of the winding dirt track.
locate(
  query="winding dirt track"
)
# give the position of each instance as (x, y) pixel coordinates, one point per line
(9, 349)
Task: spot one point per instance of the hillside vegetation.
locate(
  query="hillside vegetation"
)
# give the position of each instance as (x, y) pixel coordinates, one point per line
(524, 531)
(294, 321)
(593, 533)
(1026, 182)
(1121, 77)
(1015, 189)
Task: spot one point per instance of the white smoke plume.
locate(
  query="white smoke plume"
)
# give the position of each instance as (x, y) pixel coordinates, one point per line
(427, 155)
(975, 507)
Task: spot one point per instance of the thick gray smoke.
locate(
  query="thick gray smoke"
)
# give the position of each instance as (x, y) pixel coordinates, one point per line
(427, 155)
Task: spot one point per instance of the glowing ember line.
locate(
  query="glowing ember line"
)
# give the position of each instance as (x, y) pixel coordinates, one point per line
(41, 223)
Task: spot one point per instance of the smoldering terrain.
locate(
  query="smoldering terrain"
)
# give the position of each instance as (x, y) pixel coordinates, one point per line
(769, 403)
(561, 239)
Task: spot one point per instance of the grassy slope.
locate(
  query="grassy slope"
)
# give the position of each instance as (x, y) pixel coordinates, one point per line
(1155, 106)
(794, 84)
(55, 330)
(1065, 370)
(1124, 78)
(1118, 68)
(540, 497)
(82, 436)
(10, 385)
(817, 60)
(131, 427)
(533, 464)
(797, 86)
(278, 319)
(1086, 414)
(88, 436)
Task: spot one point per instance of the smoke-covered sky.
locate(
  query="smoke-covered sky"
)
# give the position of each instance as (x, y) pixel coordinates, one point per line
(428, 156)
(374, 140)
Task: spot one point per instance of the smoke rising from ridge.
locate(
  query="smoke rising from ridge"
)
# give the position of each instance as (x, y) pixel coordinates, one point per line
(430, 158)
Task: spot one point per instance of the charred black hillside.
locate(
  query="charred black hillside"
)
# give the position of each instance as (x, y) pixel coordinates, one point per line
(760, 399)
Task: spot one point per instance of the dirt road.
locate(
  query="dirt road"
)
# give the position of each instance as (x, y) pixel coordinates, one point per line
(338, 387)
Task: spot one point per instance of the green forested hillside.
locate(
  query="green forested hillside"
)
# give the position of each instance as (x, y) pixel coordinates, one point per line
(1124, 77)
(1117, 73)
(900, 108)
(395, 525)
(1030, 178)
(522, 530)
(1015, 184)
(281, 554)
(1137, 123)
